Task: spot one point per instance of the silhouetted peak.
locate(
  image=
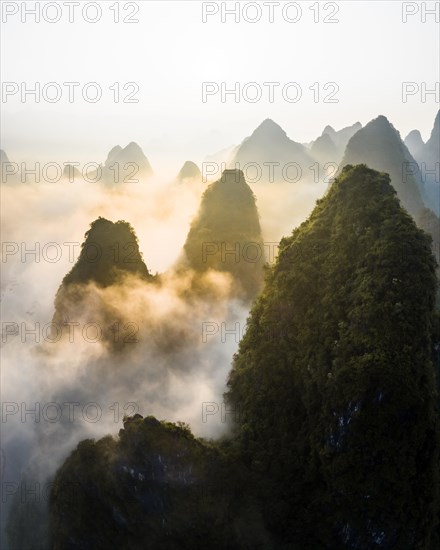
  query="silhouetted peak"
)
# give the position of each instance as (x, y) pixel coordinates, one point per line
(133, 154)
(380, 122)
(189, 170)
(414, 137)
(270, 129)
(114, 152)
(109, 239)
(379, 126)
(341, 137)
(133, 148)
(414, 142)
(328, 130)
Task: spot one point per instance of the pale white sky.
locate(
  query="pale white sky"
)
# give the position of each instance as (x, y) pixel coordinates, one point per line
(171, 52)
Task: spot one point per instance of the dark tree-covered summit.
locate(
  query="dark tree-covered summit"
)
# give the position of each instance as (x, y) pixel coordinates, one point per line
(156, 486)
(334, 377)
(110, 250)
(226, 234)
(109, 254)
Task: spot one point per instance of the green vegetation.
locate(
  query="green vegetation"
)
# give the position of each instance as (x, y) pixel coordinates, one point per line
(155, 486)
(109, 254)
(334, 376)
(336, 444)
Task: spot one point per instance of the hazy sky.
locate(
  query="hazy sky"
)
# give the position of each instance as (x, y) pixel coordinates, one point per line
(170, 52)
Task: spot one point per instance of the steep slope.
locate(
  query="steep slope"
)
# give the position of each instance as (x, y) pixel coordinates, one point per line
(415, 144)
(226, 235)
(334, 377)
(379, 146)
(427, 156)
(432, 147)
(431, 157)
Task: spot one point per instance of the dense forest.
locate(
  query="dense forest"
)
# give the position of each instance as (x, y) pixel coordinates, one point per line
(336, 444)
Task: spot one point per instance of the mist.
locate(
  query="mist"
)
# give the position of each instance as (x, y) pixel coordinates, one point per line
(176, 352)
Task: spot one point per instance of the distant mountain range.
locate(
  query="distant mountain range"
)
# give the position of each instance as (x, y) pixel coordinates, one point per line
(427, 156)
(330, 146)
(126, 165)
(267, 151)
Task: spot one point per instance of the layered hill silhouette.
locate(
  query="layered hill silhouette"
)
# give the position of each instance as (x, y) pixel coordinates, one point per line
(226, 236)
(324, 150)
(334, 144)
(432, 147)
(124, 165)
(427, 156)
(109, 254)
(379, 146)
(189, 170)
(269, 143)
(415, 144)
(131, 163)
(429, 151)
